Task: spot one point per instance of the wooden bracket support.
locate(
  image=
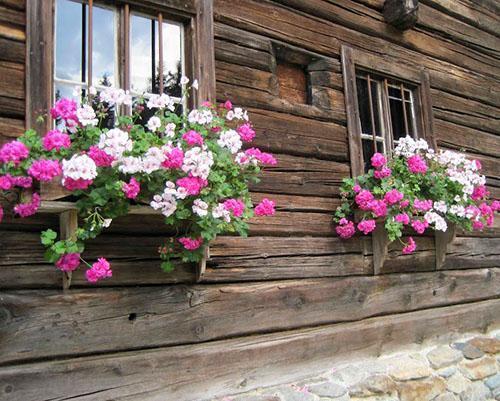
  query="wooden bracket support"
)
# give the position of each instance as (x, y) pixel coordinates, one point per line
(380, 245)
(202, 266)
(442, 240)
(68, 224)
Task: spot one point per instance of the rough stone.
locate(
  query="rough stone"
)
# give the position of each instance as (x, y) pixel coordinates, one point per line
(447, 397)
(447, 372)
(408, 368)
(493, 382)
(290, 393)
(328, 389)
(422, 390)
(476, 392)
(471, 352)
(457, 383)
(486, 344)
(442, 357)
(479, 369)
(376, 384)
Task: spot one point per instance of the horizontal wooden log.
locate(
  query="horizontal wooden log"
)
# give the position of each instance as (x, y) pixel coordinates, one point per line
(262, 100)
(467, 112)
(459, 137)
(11, 127)
(246, 76)
(225, 367)
(82, 322)
(469, 253)
(12, 50)
(284, 133)
(12, 32)
(363, 19)
(324, 37)
(11, 16)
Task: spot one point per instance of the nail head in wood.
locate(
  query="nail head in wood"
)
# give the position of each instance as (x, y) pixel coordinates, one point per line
(401, 14)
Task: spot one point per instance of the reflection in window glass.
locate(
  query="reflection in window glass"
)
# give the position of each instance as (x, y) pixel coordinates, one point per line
(68, 40)
(145, 52)
(103, 47)
(71, 67)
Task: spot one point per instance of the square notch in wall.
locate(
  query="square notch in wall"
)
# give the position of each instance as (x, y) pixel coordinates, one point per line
(292, 77)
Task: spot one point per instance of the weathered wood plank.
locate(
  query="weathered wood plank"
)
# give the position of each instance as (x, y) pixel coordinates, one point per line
(283, 133)
(323, 36)
(469, 253)
(224, 367)
(11, 16)
(246, 76)
(463, 111)
(459, 137)
(262, 100)
(82, 321)
(11, 50)
(11, 127)
(12, 32)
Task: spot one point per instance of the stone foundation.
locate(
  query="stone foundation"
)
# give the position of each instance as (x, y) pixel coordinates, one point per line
(465, 370)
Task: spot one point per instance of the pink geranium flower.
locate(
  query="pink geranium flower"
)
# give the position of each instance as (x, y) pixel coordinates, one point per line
(227, 105)
(345, 229)
(402, 218)
(419, 225)
(378, 160)
(68, 262)
(28, 208)
(366, 226)
(264, 158)
(55, 139)
(363, 198)
(191, 244)
(6, 182)
(192, 185)
(132, 189)
(265, 208)
(64, 109)
(417, 165)
(100, 157)
(174, 158)
(393, 196)
(99, 270)
(247, 134)
(479, 192)
(422, 205)
(378, 207)
(73, 185)
(236, 206)
(410, 247)
(384, 172)
(14, 152)
(45, 170)
(192, 138)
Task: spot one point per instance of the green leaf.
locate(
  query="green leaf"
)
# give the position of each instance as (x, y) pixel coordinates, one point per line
(47, 237)
(167, 266)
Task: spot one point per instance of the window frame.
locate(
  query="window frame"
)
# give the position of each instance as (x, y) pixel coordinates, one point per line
(354, 60)
(197, 16)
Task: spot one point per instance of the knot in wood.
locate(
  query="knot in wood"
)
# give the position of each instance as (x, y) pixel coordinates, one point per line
(401, 14)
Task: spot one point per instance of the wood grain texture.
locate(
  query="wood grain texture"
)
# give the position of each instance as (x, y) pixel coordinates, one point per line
(236, 365)
(82, 321)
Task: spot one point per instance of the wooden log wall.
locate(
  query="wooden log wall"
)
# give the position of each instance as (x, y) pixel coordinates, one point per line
(292, 297)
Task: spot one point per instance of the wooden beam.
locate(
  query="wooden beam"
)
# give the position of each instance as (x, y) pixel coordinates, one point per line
(68, 224)
(242, 364)
(87, 321)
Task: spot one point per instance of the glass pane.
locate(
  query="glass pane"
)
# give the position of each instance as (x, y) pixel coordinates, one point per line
(172, 59)
(394, 92)
(141, 58)
(397, 119)
(363, 104)
(411, 120)
(67, 91)
(104, 47)
(375, 104)
(69, 43)
(368, 151)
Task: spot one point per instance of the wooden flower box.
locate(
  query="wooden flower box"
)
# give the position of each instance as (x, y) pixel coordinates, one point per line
(53, 202)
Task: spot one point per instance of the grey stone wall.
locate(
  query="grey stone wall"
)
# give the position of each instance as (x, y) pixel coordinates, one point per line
(465, 370)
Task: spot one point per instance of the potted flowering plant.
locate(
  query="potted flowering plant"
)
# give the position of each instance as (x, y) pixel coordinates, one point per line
(189, 166)
(416, 189)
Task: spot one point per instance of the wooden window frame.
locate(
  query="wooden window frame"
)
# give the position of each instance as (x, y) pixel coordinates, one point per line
(355, 59)
(197, 16)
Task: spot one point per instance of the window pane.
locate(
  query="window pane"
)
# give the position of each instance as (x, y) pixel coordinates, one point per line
(141, 59)
(65, 90)
(411, 120)
(394, 92)
(172, 59)
(397, 119)
(364, 106)
(104, 47)
(68, 40)
(368, 151)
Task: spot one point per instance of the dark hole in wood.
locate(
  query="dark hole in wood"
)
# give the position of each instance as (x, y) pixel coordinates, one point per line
(132, 317)
(292, 81)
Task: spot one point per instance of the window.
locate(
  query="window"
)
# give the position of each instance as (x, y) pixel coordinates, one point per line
(382, 106)
(143, 46)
